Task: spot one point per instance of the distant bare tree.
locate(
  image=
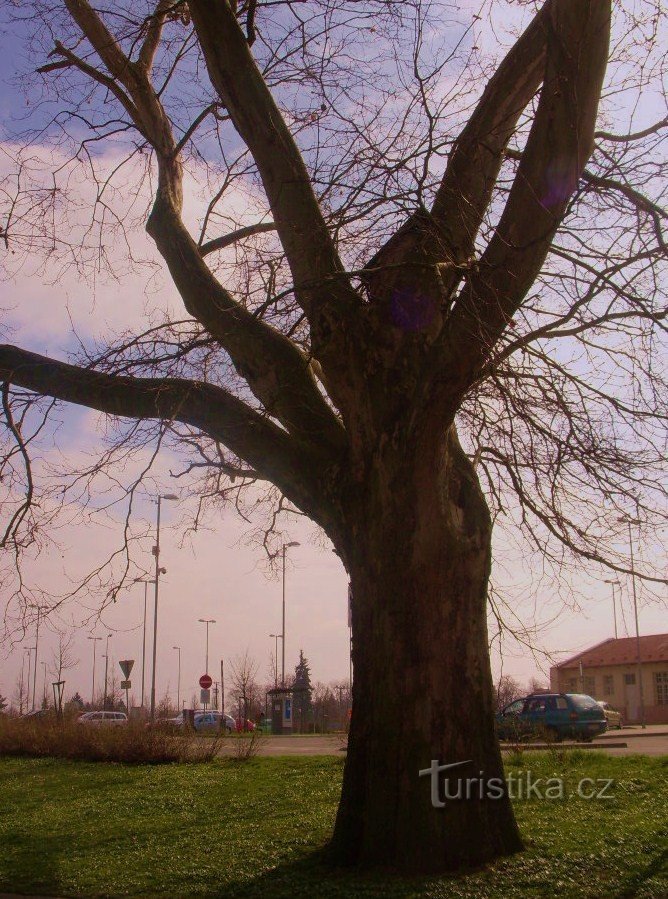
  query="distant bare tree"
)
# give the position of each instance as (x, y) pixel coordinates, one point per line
(507, 690)
(245, 691)
(62, 656)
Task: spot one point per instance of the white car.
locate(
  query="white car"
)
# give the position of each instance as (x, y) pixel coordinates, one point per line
(210, 720)
(106, 719)
(612, 716)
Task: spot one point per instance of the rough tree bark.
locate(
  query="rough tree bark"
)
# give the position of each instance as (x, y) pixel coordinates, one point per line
(419, 556)
(380, 468)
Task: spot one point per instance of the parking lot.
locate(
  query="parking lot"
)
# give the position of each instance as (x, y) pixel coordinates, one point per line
(652, 741)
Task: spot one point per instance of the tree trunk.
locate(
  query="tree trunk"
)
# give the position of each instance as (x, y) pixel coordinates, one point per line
(419, 560)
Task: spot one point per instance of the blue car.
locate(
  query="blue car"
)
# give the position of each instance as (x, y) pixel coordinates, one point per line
(551, 717)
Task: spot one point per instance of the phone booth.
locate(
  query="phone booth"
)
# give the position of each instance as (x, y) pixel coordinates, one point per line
(281, 710)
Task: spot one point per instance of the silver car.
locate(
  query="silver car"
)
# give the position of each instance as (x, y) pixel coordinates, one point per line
(103, 719)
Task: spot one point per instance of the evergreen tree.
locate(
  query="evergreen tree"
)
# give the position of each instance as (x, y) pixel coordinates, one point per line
(302, 704)
(76, 700)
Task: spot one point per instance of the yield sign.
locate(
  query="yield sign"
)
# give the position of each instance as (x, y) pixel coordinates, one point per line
(126, 667)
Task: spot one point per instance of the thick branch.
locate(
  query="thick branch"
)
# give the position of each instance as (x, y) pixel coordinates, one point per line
(276, 370)
(474, 164)
(257, 440)
(219, 243)
(322, 286)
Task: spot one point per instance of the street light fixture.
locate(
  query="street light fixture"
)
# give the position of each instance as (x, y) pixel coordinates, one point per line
(285, 546)
(158, 572)
(92, 695)
(178, 682)
(641, 694)
(145, 582)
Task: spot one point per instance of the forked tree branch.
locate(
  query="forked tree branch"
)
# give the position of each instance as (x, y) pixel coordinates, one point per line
(276, 370)
(559, 144)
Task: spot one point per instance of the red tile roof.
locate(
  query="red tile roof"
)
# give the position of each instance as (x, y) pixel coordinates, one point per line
(653, 648)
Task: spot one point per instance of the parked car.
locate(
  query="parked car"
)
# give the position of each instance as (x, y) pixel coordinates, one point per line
(211, 720)
(613, 717)
(552, 716)
(105, 719)
(39, 715)
(244, 725)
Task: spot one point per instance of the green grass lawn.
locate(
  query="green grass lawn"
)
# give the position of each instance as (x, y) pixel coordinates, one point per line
(255, 828)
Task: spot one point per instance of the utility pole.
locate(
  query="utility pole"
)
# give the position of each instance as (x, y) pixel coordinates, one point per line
(145, 582)
(285, 546)
(158, 572)
(614, 583)
(178, 681)
(222, 688)
(638, 652)
(34, 676)
(92, 695)
(207, 622)
(106, 671)
(276, 637)
(43, 664)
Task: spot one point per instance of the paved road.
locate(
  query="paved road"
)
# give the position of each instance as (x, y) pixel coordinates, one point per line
(653, 741)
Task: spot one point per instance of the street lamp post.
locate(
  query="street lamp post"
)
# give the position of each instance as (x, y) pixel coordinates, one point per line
(178, 681)
(158, 572)
(207, 622)
(34, 676)
(43, 664)
(106, 671)
(285, 546)
(614, 583)
(641, 692)
(145, 582)
(92, 694)
(276, 638)
(28, 651)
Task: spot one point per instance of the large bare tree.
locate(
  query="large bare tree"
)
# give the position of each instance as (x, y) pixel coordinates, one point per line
(446, 309)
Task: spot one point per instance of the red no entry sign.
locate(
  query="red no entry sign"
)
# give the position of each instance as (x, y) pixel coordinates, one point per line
(205, 681)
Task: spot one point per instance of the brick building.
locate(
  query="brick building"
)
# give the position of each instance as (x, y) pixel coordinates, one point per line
(609, 671)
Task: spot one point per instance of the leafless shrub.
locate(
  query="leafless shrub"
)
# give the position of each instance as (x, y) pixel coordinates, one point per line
(132, 744)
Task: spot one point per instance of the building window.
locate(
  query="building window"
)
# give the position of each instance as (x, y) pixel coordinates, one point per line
(661, 684)
(629, 680)
(608, 685)
(589, 685)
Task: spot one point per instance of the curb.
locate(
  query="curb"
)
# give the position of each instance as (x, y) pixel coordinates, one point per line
(528, 747)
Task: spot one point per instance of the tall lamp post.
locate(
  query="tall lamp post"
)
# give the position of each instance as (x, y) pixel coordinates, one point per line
(158, 572)
(145, 582)
(614, 583)
(285, 546)
(178, 681)
(92, 694)
(106, 671)
(43, 664)
(206, 621)
(641, 692)
(276, 638)
(28, 651)
(34, 675)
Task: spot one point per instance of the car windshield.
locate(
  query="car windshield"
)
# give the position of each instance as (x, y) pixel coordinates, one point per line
(581, 701)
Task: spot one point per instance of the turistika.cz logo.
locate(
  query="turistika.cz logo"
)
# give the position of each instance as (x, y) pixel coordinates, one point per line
(516, 785)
